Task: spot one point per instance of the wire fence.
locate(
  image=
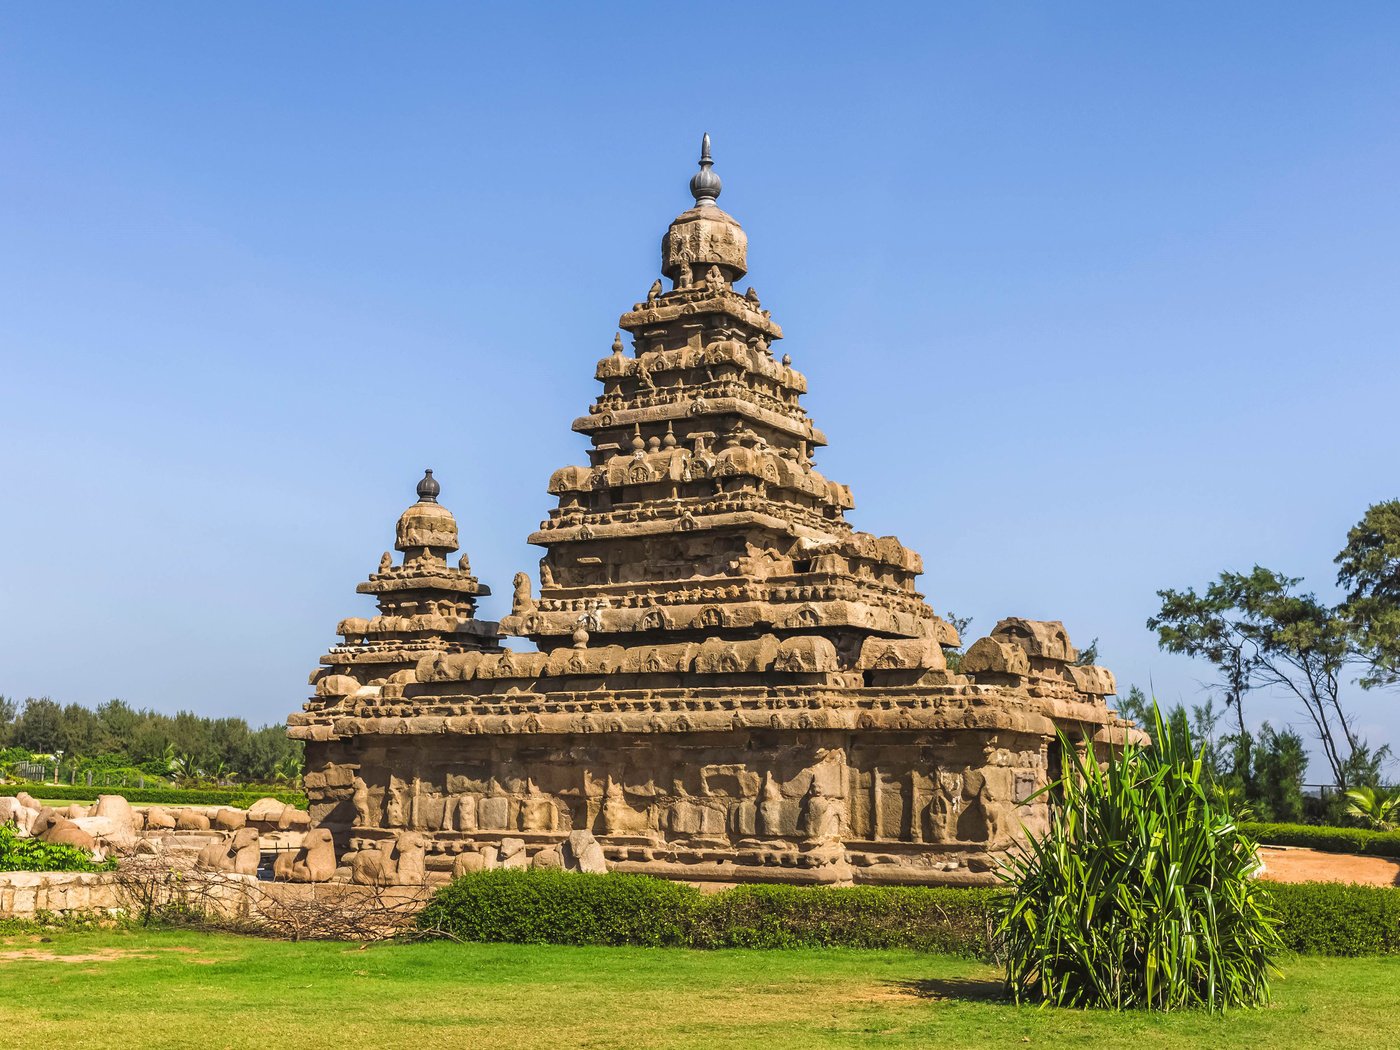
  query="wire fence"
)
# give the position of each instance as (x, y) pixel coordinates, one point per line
(1325, 792)
(52, 773)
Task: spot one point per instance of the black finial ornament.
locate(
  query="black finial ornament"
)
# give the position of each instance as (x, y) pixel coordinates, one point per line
(705, 184)
(428, 488)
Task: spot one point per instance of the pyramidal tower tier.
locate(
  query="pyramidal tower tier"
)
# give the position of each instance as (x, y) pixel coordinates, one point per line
(700, 514)
(728, 681)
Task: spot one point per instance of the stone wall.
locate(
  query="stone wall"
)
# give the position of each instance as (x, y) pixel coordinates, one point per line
(24, 894)
(288, 908)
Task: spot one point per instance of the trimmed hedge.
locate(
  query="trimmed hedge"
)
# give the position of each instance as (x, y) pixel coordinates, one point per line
(1334, 918)
(924, 918)
(556, 907)
(159, 796)
(1328, 839)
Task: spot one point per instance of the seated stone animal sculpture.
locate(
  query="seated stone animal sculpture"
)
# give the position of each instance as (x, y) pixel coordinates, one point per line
(396, 863)
(238, 856)
(314, 862)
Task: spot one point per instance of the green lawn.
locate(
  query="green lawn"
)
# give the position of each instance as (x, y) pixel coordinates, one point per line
(189, 989)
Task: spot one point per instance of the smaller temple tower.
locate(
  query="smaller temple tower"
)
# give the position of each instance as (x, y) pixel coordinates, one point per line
(426, 607)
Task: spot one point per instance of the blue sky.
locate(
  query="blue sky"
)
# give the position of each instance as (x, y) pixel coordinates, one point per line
(1093, 300)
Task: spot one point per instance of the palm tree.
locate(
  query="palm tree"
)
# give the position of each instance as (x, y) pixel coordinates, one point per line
(184, 769)
(288, 769)
(1377, 807)
(221, 772)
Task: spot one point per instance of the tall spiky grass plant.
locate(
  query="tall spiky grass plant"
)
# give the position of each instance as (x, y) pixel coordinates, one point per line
(1142, 893)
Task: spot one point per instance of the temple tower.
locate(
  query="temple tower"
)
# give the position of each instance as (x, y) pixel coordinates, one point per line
(728, 680)
(700, 515)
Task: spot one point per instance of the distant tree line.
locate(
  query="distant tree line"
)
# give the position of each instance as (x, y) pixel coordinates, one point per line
(1264, 635)
(184, 746)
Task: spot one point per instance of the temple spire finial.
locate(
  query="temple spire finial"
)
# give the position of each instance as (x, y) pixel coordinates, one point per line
(705, 185)
(428, 488)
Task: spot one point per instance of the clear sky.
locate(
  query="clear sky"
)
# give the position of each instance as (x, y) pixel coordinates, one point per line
(1093, 300)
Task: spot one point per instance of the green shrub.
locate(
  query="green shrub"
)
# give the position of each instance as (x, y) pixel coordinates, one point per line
(558, 907)
(547, 907)
(158, 795)
(924, 918)
(551, 907)
(1141, 892)
(1328, 839)
(1333, 918)
(17, 854)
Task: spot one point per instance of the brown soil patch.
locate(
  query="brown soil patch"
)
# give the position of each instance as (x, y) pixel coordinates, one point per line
(44, 955)
(102, 955)
(1295, 864)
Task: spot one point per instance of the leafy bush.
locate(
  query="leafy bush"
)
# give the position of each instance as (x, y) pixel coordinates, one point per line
(1333, 918)
(563, 908)
(159, 796)
(925, 918)
(1328, 839)
(553, 907)
(1141, 893)
(17, 854)
(557, 907)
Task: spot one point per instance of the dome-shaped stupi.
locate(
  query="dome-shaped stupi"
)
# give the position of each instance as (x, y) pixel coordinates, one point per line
(704, 236)
(427, 523)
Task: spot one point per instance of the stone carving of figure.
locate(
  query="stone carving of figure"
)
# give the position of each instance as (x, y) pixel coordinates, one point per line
(359, 798)
(770, 809)
(943, 807)
(521, 602)
(537, 812)
(466, 813)
(393, 805)
(592, 619)
(386, 562)
(614, 807)
(415, 804)
(823, 815)
(655, 291)
(714, 280)
(619, 818)
(546, 574)
(464, 564)
(972, 814)
(409, 870)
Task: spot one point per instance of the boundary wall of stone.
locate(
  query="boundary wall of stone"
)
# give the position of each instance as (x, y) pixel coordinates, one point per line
(307, 909)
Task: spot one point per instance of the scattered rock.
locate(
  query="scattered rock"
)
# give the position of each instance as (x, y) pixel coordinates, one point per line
(229, 819)
(191, 820)
(266, 811)
(550, 858)
(115, 808)
(466, 863)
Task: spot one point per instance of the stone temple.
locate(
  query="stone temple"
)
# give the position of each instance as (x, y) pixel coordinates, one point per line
(728, 682)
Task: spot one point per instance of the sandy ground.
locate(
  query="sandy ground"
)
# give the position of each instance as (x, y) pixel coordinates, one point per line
(1294, 864)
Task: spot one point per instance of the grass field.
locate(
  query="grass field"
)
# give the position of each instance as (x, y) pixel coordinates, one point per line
(190, 989)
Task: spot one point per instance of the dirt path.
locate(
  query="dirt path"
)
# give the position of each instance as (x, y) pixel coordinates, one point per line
(1295, 864)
